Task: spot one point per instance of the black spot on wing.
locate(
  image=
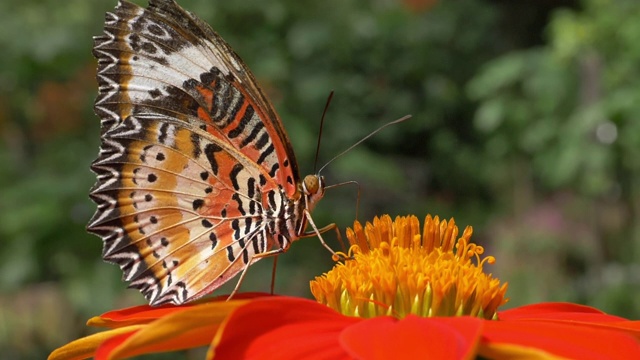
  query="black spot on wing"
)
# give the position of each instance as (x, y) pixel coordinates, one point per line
(253, 134)
(195, 140)
(197, 204)
(274, 169)
(234, 175)
(262, 141)
(206, 223)
(163, 133)
(235, 225)
(272, 199)
(245, 255)
(268, 151)
(210, 151)
(135, 172)
(251, 191)
(246, 118)
(143, 155)
(232, 112)
(214, 240)
(237, 199)
(255, 243)
(210, 76)
(155, 93)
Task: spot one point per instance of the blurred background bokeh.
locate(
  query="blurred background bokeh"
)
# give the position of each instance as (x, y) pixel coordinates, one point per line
(526, 125)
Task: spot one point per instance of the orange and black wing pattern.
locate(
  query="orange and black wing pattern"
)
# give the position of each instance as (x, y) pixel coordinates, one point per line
(195, 173)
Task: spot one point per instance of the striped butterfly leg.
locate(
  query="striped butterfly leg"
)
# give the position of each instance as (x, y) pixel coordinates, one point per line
(337, 256)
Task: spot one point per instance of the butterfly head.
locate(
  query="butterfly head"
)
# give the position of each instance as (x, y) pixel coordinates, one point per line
(313, 189)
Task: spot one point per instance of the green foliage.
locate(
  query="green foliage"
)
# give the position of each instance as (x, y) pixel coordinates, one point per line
(558, 105)
(563, 117)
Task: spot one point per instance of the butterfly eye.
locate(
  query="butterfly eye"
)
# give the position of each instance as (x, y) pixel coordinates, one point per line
(321, 184)
(311, 184)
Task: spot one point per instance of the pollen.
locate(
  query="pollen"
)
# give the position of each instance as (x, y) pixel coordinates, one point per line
(395, 269)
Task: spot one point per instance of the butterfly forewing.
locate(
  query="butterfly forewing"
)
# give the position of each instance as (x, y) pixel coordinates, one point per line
(195, 173)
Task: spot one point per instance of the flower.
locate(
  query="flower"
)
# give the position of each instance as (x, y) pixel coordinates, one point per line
(402, 294)
(146, 329)
(397, 270)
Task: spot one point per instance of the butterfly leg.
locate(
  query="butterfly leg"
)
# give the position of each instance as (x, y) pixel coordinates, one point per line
(275, 252)
(318, 232)
(273, 273)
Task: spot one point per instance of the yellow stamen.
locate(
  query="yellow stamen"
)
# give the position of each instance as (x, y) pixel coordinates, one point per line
(398, 271)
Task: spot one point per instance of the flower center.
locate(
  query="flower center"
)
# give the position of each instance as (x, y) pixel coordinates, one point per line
(397, 271)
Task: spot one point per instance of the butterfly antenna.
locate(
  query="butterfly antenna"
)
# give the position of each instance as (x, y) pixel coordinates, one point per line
(406, 117)
(326, 107)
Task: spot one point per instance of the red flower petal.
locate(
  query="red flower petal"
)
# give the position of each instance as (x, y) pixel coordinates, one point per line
(560, 339)
(85, 347)
(632, 327)
(574, 314)
(567, 311)
(144, 314)
(413, 338)
(192, 327)
(105, 349)
(282, 328)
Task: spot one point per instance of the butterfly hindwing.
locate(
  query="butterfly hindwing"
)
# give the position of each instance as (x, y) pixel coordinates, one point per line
(193, 157)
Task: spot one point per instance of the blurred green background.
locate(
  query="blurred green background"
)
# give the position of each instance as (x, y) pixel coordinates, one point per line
(526, 125)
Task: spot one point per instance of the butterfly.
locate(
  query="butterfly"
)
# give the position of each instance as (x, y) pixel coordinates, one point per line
(196, 177)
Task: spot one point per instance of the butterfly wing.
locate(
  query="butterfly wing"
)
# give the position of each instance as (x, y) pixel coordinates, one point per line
(190, 146)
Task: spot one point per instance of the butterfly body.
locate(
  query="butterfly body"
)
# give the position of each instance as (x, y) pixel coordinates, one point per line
(196, 177)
